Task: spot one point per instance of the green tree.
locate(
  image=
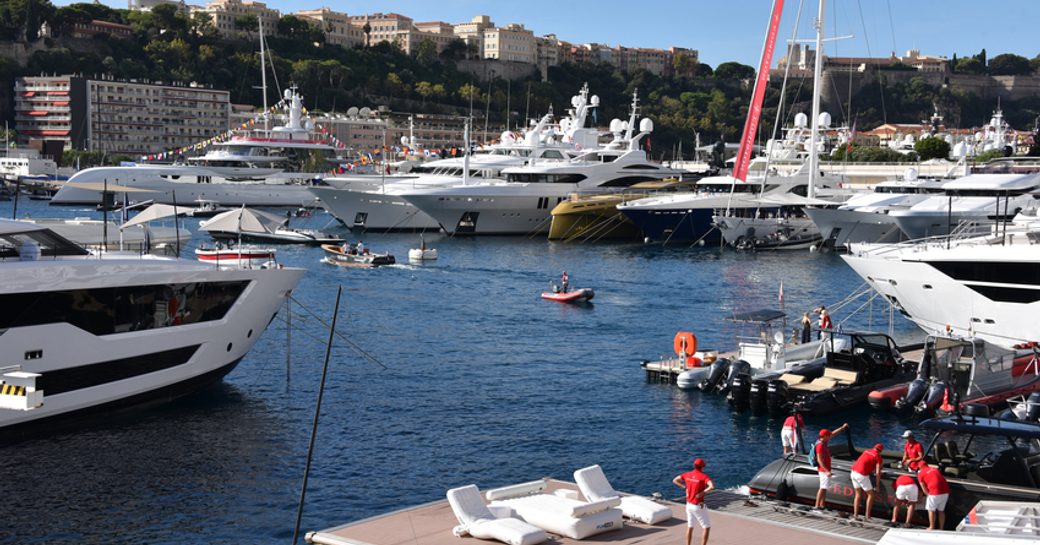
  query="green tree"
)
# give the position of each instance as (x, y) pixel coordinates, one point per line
(1010, 65)
(469, 92)
(425, 90)
(684, 65)
(170, 19)
(367, 29)
(248, 24)
(932, 148)
(990, 155)
(296, 28)
(734, 70)
(426, 52)
(20, 20)
(970, 65)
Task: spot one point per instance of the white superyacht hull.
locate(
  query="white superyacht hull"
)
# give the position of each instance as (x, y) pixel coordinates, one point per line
(374, 211)
(154, 357)
(507, 209)
(843, 227)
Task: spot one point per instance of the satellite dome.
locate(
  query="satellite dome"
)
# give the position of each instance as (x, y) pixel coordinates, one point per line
(646, 125)
(910, 174)
(616, 125)
(594, 100)
(825, 119)
(801, 120)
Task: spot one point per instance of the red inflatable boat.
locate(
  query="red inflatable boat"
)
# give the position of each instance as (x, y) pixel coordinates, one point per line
(582, 295)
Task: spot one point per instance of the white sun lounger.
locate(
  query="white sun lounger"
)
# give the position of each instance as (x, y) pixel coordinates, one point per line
(595, 487)
(560, 513)
(482, 522)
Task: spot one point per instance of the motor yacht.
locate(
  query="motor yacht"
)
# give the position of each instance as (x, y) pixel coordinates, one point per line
(89, 332)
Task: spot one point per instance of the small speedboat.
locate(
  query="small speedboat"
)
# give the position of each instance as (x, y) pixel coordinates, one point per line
(582, 295)
(237, 256)
(335, 255)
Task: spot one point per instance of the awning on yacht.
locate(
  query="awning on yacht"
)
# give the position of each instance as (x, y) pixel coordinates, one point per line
(790, 199)
(155, 212)
(244, 220)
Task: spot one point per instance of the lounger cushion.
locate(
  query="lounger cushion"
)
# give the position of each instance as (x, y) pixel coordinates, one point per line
(477, 519)
(516, 490)
(595, 486)
(558, 515)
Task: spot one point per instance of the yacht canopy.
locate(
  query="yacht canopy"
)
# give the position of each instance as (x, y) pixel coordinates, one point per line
(155, 212)
(993, 182)
(245, 220)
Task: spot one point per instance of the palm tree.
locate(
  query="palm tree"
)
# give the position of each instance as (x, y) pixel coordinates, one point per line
(367, 29)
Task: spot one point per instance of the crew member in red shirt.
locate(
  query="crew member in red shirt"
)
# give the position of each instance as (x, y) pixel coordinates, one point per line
(913, 451)
(697, 484)
(823, 463)
(906, 496)
(790, 433)
(938, 490)
(869, 463)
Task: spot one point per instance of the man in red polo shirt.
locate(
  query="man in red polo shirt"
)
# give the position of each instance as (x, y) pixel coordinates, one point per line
(823, 463)
(906, 496)
(913, 451)
(869, 463)
(938, 490)
(697, 484)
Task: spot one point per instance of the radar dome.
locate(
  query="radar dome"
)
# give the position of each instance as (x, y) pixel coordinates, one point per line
(646, 125)
(575, 101)
(801, 120)
(910, 174)
(565, 124)
(825, 119)
(365, 112)
(352, 111)
(594, 100)
(616, 125)
(287, 94)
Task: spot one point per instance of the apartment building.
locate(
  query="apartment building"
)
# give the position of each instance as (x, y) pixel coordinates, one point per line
(510, 43)
(802, 59)
(223, 13)
(335, 25)
(473, 32)
(128, 117)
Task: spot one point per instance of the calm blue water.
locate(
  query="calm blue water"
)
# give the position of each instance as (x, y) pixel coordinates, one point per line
(484, 383)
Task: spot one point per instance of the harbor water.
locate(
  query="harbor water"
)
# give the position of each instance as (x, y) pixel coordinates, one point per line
(451, 372)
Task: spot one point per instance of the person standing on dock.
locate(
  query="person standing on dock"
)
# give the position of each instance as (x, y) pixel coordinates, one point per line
(906, 496)
(938, 490)
(806, 328)
(868, 465)
(823, 463)
(791, 433)
(697, 484)
(913, 452)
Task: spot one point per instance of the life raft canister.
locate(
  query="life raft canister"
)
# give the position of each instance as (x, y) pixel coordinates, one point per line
(685, 343)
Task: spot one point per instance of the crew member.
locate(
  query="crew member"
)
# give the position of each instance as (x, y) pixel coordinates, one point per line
(825, 322)
(806, 328)
(906, 496)
(938, 490)
(563, 282)
(868, 464)
(913, 452)
(697, 484)
(790, 433)
(823, 463)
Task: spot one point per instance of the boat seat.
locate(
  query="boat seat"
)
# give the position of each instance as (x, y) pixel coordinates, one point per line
(841, 375)
(817, 385)
(792, 379)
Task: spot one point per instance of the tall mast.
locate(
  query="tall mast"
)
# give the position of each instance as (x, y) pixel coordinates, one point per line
(263, 73)
(814, 160)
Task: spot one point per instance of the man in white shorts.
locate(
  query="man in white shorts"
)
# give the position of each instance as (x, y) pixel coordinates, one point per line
(697, 484)
(823, 463)
(938, 490)
(906, 496)
(790, 432)
(868, 463)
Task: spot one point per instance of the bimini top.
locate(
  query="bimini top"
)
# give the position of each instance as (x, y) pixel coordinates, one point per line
(761, 316)
(993, 182)
(984, 425)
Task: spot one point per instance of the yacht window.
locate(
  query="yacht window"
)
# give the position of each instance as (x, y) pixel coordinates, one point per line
(644, 167)
(626, 181)
(537, 178)
(552, 154)
(104, 311)
(50, 244)
(84, 376)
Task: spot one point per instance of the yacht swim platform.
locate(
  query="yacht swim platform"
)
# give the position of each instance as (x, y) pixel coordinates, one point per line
(735, 521)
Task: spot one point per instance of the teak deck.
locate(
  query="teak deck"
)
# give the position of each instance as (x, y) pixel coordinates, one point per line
(734, 522)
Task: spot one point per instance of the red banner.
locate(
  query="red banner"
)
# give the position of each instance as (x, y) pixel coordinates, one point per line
(747, 140)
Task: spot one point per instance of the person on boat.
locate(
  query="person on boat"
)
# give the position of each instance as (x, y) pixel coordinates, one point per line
(913, 452)
(823, 463)
(906, 496)
(790, 433)
(563, 282)
(825, 322)
(345, 248)
(360, 248)
(697, 484)
(938, 490)
(867, 465)
(806, 328)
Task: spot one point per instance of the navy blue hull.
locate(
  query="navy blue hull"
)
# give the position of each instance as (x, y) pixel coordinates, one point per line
(675, 225)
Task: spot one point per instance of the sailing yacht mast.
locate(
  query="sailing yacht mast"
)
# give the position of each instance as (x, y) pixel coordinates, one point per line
(263, 75)
(814, 159)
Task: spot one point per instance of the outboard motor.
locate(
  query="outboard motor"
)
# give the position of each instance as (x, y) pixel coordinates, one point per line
(914, 393)
(776, 397)
(759, 396)
(1033, 407)
(715, 374)
(737, 368)
(740, 392)
(932, 400)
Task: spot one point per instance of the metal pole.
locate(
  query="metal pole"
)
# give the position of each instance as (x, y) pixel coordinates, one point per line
(288, 339)
(317, 413)
(104, 215)
(177, 225)
(814, 160)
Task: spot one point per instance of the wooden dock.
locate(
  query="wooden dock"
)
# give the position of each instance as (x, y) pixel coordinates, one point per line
(735, 521)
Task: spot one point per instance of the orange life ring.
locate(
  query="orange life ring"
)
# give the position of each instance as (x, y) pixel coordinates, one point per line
(685, 343)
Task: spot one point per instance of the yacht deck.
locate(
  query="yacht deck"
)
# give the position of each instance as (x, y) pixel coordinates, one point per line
(735, 520)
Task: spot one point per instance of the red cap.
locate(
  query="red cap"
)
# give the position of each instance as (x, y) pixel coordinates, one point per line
(879, 447)
(698, 463)
(825, 432)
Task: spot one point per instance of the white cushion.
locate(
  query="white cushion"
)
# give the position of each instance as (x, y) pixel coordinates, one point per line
(479, 521)
(595, 486)
(516, 490)
(566, 517)
(583, 509)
